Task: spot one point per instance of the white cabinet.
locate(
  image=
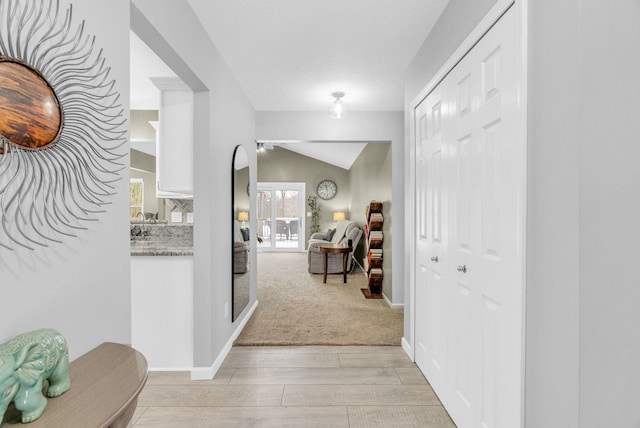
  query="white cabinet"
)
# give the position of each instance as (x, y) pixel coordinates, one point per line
(162, 310)
(174, 139)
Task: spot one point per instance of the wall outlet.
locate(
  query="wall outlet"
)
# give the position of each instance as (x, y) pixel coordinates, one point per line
(190, 218)
(176, 217)
(308, 213)
(226, 310)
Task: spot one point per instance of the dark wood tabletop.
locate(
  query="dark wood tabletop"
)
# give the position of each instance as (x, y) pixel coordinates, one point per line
(326, 249)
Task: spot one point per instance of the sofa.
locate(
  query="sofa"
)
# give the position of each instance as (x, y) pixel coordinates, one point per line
(240, 249)
(345, 230)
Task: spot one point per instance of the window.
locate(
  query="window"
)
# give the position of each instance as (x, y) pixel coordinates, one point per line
(136, 198)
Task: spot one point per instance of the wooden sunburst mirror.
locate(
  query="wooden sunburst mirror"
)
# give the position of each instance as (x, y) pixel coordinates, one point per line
(62, 130)
(30, 113)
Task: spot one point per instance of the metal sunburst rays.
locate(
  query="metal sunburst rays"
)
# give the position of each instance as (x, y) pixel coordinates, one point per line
(62, 133)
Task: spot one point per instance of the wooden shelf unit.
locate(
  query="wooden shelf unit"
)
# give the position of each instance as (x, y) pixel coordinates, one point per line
(373, 259)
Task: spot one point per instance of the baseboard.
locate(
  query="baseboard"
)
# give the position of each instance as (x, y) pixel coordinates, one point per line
(242, 324)
(392, 305)
(407, 348)
(171, 369)
(207, 373)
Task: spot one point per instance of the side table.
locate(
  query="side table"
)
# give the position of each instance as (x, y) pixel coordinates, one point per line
(326, 249)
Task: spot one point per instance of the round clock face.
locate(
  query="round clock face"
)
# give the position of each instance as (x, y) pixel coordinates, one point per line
(327, 189)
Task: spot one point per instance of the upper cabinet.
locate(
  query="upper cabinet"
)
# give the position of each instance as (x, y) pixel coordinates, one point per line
(174, 154)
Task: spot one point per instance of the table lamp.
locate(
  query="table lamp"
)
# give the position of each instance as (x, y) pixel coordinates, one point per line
(243, 216)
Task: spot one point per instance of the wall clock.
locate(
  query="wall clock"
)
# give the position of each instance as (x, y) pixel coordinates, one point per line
(327, 189)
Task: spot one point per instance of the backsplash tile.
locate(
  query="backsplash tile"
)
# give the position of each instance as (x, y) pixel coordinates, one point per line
(182, 207)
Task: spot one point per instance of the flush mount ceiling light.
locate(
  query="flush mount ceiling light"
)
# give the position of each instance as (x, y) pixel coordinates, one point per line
(264, 146)
(337, 108)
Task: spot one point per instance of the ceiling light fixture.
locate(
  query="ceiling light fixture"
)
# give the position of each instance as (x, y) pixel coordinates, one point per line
(264, 146)
(337, 108)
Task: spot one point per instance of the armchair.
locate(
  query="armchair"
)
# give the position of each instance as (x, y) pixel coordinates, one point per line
(240, 249)
(345, 230)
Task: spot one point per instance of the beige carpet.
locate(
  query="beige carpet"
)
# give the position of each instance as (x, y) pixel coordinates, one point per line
(296, 308)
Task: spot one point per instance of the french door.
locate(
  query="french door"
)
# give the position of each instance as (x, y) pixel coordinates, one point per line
(469, 271)
(280, 211)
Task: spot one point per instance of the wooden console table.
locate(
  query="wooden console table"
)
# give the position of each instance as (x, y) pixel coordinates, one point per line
(105, 384)
(327, 249)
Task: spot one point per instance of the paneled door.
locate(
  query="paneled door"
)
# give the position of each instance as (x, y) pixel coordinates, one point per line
(432, 226)
(478, 273)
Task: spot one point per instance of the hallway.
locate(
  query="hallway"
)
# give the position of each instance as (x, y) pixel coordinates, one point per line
(298, 386)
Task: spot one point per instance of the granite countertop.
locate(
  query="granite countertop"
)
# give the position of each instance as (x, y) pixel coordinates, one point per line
(159, 249)
(161, 239)
(148, 222)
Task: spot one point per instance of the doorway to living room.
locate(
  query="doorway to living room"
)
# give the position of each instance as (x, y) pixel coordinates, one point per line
(295, 306)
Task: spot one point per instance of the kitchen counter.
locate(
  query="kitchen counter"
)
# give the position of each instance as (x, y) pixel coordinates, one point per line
(159, 249)
(161, 239)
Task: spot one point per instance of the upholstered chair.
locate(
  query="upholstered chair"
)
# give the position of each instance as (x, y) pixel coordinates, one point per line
(344, 231)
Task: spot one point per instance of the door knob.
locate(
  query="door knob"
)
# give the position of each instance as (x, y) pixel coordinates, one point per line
(434, 259)
(462, 268)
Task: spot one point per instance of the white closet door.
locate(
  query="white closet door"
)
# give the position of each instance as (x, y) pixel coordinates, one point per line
(473, 295)
(431, 279)
(463, 83)
(498, 259)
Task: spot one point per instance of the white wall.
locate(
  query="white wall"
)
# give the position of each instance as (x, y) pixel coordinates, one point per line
(356, 126)
(80, 288)
(553, 249)
(609, 109)
(223, 119)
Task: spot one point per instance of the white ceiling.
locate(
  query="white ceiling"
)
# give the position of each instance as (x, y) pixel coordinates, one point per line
(290, 55)
(144, 63)
(342, 154)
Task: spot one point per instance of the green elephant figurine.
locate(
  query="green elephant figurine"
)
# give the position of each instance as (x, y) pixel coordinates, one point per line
(26, 361)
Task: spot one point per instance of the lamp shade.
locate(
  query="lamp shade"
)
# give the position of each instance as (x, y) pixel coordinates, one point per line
(339, 216)
(243, 216)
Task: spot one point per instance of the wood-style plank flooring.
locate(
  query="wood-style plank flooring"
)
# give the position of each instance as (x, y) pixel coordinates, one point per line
(291, 386)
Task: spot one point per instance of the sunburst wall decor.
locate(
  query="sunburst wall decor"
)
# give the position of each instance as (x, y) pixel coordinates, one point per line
(62, 129)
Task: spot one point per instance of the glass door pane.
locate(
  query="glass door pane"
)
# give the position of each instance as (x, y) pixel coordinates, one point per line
(280, 216)
(287, 218)
(263, 208)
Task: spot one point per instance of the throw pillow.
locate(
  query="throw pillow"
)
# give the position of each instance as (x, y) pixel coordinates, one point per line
(329, 235)
(245, 234)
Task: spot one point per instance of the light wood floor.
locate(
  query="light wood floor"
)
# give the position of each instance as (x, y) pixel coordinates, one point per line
(307, 386)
